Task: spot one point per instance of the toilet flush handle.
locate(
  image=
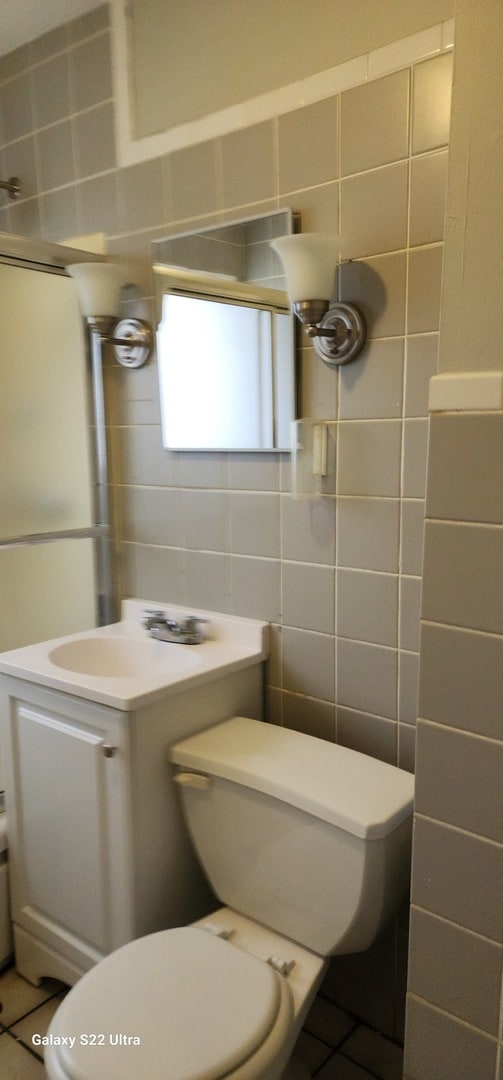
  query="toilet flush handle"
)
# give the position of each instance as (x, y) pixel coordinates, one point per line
(193, 780)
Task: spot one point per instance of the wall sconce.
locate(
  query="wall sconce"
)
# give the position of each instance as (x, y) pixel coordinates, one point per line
(338, 329)
(98, 290)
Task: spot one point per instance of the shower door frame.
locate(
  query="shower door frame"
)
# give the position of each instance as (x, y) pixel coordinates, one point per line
(50, 258)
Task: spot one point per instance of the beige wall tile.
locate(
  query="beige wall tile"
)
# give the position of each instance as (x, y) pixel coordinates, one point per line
(370, 735)
(462, 575)
(308, 530)
(444, 856)
(203, 520)
(462, 685)
(318, 207)
(369, 457)
(374, 211)
(431, 103)
(406, 747)
(307, 714)
(415, 455)
(256, 588)
(448, 782)
(410, 613)
(194, 181)
(408, 687)
(421, 365)
(377, 691)
(308, 663)
(308, 594)
(466, 473)
(254, 524)
(428, 185)
(374, 123)
(367, 533)
(377, 286)
(207, 580)
(248, 165)
(367, 606)
(425, 277)
(436, 947)
(439, 1046)
(308, 145)
(412, 537)
(372, 386)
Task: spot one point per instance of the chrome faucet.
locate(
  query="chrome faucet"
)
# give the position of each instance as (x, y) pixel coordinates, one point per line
(160, 626)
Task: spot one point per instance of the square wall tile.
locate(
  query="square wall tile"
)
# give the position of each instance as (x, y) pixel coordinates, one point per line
(367, 677)
(308, 596)
(194, 181)
(207, 581)
(140, 196)
(408, 687)
(367, 533)
(412, 537)
(377, 287)
(437, 951)
(374, 211)
(309, 715)
(51, 87)
(425, 281)
(248, 165)
(462, 575)
(308, 145)
(94, 137)
(443, 857)
(410, 613)
(150, 516)
(203, 520)
(415, 458)
(466, 474)
(371, 388)
(367, 606)
(369, 457)
(308, 530)
(406, 757)
(431, 103)
(256, 591)
(370, 735)
(254, 524)
(55, 156)
(375, 123)
(459, 780)
(90, 73)
(462, 685)
(309, 663)
(318, 384)
(440, 1047)
(428, 186)
(421, 365)
(318, 207)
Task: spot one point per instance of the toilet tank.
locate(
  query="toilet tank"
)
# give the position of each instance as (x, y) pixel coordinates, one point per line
(304, 836)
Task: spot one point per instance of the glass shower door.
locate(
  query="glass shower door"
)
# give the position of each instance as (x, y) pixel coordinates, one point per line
(47, 558)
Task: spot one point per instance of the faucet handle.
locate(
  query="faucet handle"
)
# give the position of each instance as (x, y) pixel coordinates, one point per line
(192, 622)
(151, 615)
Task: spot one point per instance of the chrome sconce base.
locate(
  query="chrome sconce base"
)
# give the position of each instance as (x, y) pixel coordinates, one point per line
(338, 331)
(132, 339)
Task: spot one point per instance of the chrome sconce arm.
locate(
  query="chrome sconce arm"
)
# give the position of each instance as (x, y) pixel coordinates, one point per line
(338, 328)
(98, 287)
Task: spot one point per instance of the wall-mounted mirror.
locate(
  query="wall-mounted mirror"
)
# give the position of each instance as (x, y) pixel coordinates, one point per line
(225, 340)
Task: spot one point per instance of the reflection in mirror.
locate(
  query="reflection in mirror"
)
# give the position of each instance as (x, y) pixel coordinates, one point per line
(225, 339)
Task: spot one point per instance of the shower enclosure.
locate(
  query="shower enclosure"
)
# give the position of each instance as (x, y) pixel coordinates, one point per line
(55, 566)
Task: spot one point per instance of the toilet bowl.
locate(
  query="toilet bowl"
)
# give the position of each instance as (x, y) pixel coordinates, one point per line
(308, 844)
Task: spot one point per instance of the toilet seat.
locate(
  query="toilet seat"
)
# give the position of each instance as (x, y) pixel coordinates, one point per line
(199, 1008)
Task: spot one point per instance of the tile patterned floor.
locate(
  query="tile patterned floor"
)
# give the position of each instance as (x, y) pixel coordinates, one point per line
(333, 1045)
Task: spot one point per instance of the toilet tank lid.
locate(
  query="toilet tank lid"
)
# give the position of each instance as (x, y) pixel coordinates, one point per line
(357, 793)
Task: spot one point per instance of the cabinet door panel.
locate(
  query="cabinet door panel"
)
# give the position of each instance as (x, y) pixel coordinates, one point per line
(62, 792)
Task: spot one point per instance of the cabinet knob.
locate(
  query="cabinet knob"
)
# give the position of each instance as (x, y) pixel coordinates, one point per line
(108, 750)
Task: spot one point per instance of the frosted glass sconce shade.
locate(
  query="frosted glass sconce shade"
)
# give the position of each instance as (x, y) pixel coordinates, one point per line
(309, 259)
(99, 294)
(98, 287)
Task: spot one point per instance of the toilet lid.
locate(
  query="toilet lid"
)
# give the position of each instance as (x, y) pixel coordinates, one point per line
(192, 1005)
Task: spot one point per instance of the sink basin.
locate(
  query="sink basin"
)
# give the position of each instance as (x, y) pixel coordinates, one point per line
(120, 666)
(122, 658)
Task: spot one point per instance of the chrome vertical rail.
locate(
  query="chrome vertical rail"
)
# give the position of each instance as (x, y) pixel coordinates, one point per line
(104, 559)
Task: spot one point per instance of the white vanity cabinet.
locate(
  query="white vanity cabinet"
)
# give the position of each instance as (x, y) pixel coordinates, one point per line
(98, 853)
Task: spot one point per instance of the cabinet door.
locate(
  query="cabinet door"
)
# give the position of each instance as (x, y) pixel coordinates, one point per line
(71, 853)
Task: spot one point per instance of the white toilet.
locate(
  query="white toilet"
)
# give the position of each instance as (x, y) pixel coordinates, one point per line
(308, 843)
